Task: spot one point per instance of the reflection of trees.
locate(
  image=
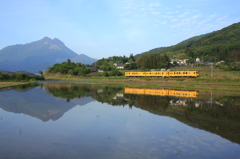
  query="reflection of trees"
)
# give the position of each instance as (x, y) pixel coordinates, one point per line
(107, 94)
(101, 93)
(21, 88)
(148, 102)
(68, 91)
(221, 116)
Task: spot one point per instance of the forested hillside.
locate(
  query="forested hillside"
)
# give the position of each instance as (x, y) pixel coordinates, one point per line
(218, 45)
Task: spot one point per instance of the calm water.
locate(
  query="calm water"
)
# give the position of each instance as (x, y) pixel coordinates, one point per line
(104, 121)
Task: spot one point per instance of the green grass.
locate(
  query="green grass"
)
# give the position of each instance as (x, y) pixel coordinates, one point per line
(206, 72)
(223, 80)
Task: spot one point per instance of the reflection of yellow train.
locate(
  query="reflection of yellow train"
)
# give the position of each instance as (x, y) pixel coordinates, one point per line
(162, 92)
(163, 74)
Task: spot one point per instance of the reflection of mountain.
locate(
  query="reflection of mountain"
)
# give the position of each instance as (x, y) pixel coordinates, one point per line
(36, 103)
(50, 101)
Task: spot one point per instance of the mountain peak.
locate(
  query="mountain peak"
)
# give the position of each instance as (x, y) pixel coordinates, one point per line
(46, 38)
(58, 42)
(36, 55)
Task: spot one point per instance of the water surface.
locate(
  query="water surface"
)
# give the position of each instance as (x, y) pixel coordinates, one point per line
(104, 121)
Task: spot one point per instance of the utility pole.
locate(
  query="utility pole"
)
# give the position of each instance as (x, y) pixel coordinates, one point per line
(212, 71)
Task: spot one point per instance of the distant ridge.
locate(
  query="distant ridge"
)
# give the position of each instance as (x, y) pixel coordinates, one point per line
(223, 44)
(36, 56)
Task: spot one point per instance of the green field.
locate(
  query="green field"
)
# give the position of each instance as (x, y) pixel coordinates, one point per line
(221, 80)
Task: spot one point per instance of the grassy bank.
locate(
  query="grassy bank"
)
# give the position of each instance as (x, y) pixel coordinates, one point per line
(209, 79)
(8, 84)
(182, 83)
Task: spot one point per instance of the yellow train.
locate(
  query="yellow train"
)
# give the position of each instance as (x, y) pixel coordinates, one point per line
(162, 92)
(163, 74)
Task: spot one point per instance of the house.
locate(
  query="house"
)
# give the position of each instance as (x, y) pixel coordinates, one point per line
(209, 63)
(219, 62)
(120, 67)
(93, 70)
(179, 61)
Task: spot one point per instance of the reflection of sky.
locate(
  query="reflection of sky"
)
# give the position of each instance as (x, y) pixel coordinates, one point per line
(99, 130)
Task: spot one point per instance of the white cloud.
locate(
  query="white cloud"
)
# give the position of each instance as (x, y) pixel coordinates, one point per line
(154, 5)
(125, 21)
(181, 16)
(213, 15)
(222, 18)
(143, 8)
(156, 13)
(168, 16)
(197, 16)
(174, 20)
(204, 21)
(164, 22)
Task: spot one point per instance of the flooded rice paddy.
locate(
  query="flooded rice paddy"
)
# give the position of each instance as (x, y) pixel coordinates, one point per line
(57, 120)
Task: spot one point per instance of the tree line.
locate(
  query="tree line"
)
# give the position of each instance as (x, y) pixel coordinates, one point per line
(19, 77)
(69, 68)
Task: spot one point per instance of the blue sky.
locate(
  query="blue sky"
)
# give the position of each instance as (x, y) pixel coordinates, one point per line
(104, 28)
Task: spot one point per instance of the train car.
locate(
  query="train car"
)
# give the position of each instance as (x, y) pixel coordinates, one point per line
(178, 93)
(163, 74)
(158, 92)
(134, 91)
(162, 92)
(135, 74)
(156, 74)
(183, 74)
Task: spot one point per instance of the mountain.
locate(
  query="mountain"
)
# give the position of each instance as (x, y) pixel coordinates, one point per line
(46, 108)
(37, 55)
(83, 59)
(223, 44)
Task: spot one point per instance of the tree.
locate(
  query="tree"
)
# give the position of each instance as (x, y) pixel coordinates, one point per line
(130, 66)
(175, 63)
(189, 52)
(132, 57)
(115, 72)
(40, 72)
(190, 61)
(105, 74)
(48, 69)
(153, 61)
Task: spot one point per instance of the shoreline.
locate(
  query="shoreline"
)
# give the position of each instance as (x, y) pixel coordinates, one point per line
(6, 84)
(177, 83)
(183, 83)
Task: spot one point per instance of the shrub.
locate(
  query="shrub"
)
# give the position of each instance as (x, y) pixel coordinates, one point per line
(115, 73)
(105, 74)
